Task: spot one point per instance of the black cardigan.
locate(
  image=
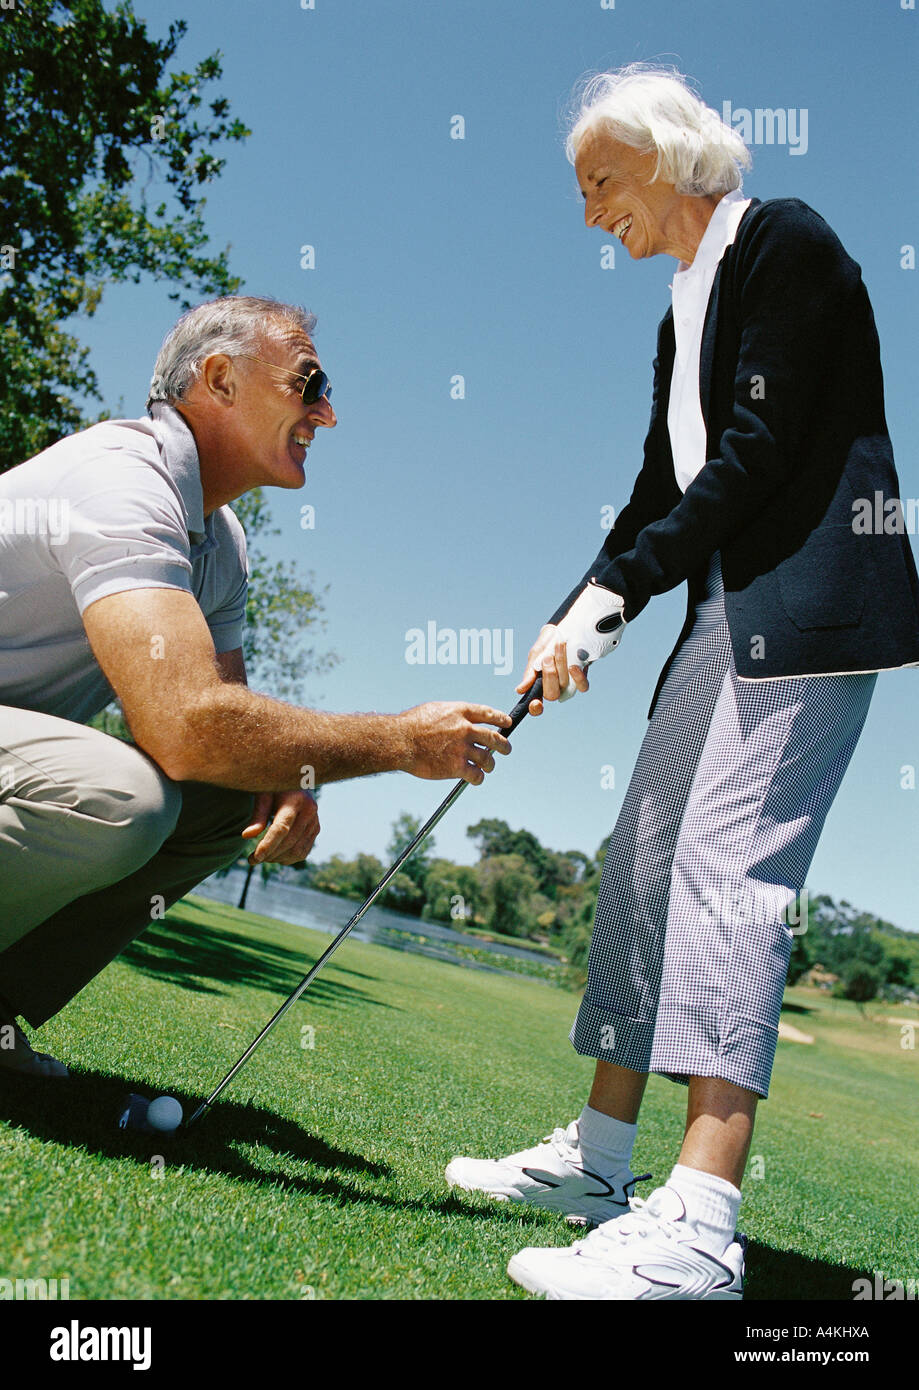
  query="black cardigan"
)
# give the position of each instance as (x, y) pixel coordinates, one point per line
(793, 401)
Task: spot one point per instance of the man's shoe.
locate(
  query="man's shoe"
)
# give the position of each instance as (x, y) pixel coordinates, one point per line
(550, 1175)
(650, 1253)
(17, 1055)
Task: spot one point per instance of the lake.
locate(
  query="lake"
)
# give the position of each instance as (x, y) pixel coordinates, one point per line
(324, 912)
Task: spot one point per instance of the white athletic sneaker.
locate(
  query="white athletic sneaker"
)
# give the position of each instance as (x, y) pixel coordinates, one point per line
(649, 1253)
(17, 1055)
(551, 1175)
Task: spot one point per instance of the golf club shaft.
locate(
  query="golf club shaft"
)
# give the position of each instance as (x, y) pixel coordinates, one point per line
(518, 713)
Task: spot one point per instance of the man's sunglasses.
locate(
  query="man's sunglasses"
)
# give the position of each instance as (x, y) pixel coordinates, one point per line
(315, 383)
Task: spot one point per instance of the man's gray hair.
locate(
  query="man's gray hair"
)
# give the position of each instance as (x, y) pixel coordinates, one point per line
(235, 324)
(654, 110)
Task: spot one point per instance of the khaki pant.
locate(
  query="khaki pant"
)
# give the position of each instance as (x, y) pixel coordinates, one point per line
(94, 842)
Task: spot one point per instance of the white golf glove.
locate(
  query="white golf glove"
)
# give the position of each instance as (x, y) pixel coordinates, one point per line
(592, 628)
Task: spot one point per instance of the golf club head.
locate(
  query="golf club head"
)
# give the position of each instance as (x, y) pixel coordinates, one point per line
(134, 1114)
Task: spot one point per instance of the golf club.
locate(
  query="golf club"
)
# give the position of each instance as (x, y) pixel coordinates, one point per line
(518, 713)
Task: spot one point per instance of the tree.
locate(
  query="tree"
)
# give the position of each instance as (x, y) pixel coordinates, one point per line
(405, 892)
(404, 829)
(491, 836)
(495, 837)
(580, 867)
(508, 888)
(576, 941)
(898, 970)
(800, 960)
(103, 156)
(349, 878)
(282, 610)
(266, 869)
(367, 873)
(577, 930)
(452, 893)
(861, 981)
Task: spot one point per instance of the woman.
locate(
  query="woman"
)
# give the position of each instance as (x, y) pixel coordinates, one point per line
(767, 423)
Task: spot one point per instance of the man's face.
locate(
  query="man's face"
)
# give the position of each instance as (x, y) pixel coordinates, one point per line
(274, 428)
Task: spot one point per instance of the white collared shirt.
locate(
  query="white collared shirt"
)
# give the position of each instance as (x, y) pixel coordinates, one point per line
(692, 287)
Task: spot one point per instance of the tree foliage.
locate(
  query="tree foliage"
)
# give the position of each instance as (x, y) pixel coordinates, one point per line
(860, 982)
(350, 878)
(283, 613)
(103, 158)
(496, 838)
(453, 893)
(404, 829)
(801, 959)
(504, 892)
(508, 888)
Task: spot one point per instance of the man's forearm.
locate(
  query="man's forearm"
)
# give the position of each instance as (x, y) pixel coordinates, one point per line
(188, 710)
(235, 738)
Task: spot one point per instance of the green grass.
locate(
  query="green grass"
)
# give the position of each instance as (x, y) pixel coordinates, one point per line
(320, 1172)
(528, 942)
(549, 969)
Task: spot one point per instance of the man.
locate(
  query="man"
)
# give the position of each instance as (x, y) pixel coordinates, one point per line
(122, 569)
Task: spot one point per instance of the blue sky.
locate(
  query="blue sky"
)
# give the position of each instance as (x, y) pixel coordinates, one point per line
(438, 257)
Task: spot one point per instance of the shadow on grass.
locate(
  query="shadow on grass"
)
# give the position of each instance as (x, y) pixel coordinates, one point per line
(83, 1112)
(186, 950)
(789, 1008)
(786, 1276)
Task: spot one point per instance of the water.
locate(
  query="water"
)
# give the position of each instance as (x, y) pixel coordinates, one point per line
(324, 912)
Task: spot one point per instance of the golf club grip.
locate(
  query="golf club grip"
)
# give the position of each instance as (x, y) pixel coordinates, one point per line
(522, 707)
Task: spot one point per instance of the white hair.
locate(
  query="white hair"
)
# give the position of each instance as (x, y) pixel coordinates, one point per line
(654, 110)
(234, 324)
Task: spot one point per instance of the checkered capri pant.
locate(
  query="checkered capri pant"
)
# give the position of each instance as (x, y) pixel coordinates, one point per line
(716, 834)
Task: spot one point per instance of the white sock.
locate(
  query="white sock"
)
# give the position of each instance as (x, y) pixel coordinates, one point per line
(711, 1205)
(606, 1143)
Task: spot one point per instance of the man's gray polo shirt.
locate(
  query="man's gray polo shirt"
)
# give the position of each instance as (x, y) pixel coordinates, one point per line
(118, 506)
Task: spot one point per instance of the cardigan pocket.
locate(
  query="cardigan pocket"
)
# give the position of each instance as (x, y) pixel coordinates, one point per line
(823, 584)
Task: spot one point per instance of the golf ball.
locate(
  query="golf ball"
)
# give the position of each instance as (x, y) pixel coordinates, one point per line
(164, 1114)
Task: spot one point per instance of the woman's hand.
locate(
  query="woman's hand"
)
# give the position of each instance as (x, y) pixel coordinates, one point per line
(559, 680)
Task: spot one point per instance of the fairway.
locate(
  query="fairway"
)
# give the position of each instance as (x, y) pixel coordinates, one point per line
(319, 1173)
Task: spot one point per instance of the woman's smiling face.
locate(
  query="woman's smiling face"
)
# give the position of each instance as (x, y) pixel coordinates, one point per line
(614, 181)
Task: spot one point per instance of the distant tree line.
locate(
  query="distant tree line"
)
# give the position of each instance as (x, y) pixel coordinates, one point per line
(869, 956)
(519, 888)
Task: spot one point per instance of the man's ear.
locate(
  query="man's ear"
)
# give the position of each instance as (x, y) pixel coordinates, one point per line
(219, 378)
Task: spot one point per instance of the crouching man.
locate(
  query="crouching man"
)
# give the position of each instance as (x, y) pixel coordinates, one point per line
(139, 589)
